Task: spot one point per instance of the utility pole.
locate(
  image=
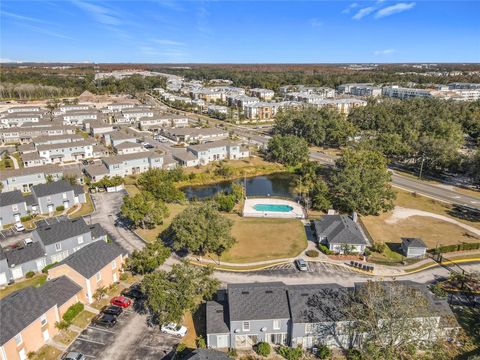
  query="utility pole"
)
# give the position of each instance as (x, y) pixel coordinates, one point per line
(421, 166)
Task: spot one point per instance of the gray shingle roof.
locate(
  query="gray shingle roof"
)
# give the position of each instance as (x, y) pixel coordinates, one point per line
(52, 188)
(62, 230)
(25, 254)
(78, 189)
(217, 317)
(97, 231)
(207, 354)
(413, 243)
(339, 229)
(254, 301)
(318, 303)
(21, 308)
(11, 198)
(92, 258)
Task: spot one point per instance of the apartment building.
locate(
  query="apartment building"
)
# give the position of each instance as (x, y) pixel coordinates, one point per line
(56, 139)
(342, 105)
(120, 106)
(366, 90)
(12, 207)
(29, 316)
(241, 101)
(78, 117)
(23, 109)
(265, 111)
(303, 315)
(32, 159)
(66, 152)
(218, 150)
(47, 197)
(464, 86)
(18, 119)
(97, 128)
(23, 179)
(115, 138)
(128, 147)
(264, 94)
(194, 135)
(96, 265)
(62, 109)
(131, 164)
(134, 114)
(165, 120)
(398, 92)
(217, 109)
(25, 134)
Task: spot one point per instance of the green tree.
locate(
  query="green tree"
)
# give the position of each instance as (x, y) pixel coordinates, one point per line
(201, 229)
(361, 182)
(149, 258)
(320, 196)
(161, 184)
(289, 150)
(170, 294)
(144, 210)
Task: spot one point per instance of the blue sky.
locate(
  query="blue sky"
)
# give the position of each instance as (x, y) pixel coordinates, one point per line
(240, 31)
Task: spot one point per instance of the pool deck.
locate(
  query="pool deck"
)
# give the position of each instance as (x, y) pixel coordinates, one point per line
(250, 211)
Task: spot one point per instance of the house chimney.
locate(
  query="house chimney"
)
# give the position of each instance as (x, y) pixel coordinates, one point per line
(354, 216)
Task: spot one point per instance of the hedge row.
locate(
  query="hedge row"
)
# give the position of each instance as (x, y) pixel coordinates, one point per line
(72, 311)
(453, 248)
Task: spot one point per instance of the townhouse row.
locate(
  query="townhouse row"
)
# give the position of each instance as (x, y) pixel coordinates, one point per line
(44, 199)
(306, 315)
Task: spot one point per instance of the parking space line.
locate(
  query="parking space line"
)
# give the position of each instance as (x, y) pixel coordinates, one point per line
(97, 328)
(91, 341)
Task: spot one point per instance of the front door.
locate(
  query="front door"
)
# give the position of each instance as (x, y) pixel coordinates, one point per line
(40, 264)
(22, 355)
(115, 278)
(50, 208)
(46, 335)
(16, 217)
(3, 279)
(222, 341)
(17, 272)
(65, 204)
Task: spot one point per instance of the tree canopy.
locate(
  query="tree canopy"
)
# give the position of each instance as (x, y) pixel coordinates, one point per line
(170, 294)
(321, 127)
(161, 184)
(144, 210)
(289, 150)
(360, 182)
(201, 229)
(149, 258)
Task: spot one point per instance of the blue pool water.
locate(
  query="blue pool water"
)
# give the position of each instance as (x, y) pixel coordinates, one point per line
(273, 207)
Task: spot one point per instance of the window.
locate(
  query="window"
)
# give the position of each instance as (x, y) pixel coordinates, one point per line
(276, 324)
(58, 246)
(246, 326)
(18, 339)
(98, 276)
(43, 319)
(80, 239)
(114, 264)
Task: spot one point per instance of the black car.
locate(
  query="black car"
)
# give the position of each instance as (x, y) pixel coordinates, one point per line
(133, 293)
(105, 320)
(112, 310)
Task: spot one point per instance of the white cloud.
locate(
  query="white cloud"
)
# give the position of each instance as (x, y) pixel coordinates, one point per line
(315, 23)
(101, 14)
(168, 42)
(21, 17)
(363, 12)
(384, 52)
(7, 60)
(394, 9)
(349, 8)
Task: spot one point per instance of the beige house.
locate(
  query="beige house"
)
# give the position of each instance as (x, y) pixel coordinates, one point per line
(94, 266)
(28, 316)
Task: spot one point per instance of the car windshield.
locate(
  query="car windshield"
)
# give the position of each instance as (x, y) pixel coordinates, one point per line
(178, 327)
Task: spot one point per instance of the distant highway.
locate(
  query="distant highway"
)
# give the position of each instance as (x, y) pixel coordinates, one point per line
(415, 185)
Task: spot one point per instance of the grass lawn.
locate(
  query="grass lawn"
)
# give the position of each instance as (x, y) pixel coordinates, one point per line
(469, 320)
(86, 208)
(189, 339)
(265, 239)
(83, 319)
(409, 200)
(132, 189)
(65, 336)
(46, 352)
(152, 234)
(37, 280)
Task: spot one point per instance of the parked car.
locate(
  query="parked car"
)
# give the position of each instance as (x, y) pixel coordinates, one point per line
(112, 310)
(72, 355)
(174, 329)
(121, 301)
(19, 227)
(133, 293)
(28, 241)
(85, 162)
(105, 320)
(301, 265)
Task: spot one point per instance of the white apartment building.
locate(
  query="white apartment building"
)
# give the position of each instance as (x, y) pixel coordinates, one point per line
(66, 152)
(264, 94)
(78, 117)
(22, 109)
(218, 150)
(120, 106)
(397, 92)
(18, 119)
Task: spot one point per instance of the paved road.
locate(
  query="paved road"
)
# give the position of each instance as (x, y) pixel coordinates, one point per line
(107, 209)
(415, 185)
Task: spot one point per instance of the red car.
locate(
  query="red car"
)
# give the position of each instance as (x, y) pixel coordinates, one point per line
(121, 301)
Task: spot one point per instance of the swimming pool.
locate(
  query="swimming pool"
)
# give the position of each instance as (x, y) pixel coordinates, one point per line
(273, 207)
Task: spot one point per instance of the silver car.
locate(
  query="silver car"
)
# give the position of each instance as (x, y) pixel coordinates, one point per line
(301, 265)
(72, 355)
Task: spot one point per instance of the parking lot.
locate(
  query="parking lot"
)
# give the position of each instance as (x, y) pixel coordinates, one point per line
(131, 338)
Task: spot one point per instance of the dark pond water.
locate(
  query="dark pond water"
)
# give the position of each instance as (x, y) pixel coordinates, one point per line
(280, 184)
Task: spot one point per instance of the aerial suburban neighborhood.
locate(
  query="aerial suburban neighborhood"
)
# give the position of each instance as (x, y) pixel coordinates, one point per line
(250, 199)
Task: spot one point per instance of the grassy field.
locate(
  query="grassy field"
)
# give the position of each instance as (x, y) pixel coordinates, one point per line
(83, 319)
(46, 352)
(152, 234)
(265, 239)
(37, 280)
(86, 208)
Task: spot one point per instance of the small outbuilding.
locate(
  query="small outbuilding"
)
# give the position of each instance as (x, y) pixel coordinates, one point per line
(413, 247)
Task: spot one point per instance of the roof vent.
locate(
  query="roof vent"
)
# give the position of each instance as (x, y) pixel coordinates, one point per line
(245, 293)
(219, 311)
(304, 295)
(48, 228)
(269, 292)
